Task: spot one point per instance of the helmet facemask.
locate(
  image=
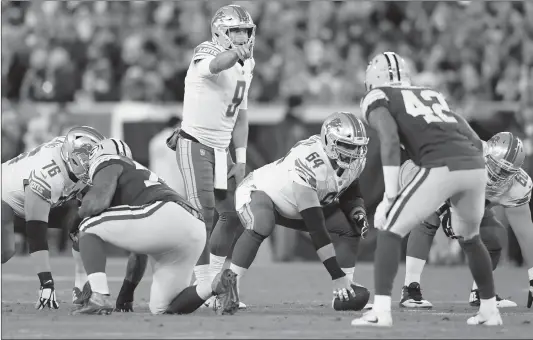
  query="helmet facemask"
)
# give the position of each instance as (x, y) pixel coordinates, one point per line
(499, 172)
(231, 18)
(348, 154)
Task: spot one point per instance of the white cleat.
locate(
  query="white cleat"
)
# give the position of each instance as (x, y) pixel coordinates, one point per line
(374, 319)
(500, 302)
(212, 302)
(494, 319)
(505, 303)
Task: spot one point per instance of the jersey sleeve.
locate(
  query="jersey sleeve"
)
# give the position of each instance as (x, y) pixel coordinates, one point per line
(205, 50)
(372, 100)
(309, 171)
(519, 193)
(49, 188)
(103, 161)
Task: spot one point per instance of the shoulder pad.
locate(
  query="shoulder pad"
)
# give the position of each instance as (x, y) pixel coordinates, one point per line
(372, 100)
(206, 49)
(39, 184)
(104, 160)
(520, 191)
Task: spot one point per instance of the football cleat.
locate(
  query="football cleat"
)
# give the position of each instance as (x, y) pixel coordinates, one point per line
(79, 297)
(500, 303)
(98, 304)
(225, 288)
(412, 297)
(494, 319)
(373, 318)
(214, 303)
(368, 306)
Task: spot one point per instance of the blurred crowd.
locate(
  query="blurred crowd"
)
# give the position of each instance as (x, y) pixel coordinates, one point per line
(60, 51)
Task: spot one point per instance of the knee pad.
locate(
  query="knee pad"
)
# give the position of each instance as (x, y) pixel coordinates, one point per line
(255, 235)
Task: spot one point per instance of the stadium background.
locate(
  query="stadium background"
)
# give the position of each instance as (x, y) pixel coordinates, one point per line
(120, 66)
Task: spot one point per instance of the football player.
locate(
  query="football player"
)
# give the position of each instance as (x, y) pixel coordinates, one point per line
(293, 191)
(508, 186)
(451, 165)
(37, 181)
(215, 112)
(130, 207)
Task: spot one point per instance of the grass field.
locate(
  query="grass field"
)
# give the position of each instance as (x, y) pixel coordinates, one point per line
(284, 301)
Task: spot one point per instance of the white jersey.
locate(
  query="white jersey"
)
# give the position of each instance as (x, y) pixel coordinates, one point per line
(306, 164)
(43, 170)
(212, 102)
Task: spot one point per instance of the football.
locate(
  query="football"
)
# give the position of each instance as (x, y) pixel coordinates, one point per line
(355, 303)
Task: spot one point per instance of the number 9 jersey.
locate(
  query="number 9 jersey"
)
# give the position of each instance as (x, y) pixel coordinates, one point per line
(212, 101)
(428, 130)
(43, 170)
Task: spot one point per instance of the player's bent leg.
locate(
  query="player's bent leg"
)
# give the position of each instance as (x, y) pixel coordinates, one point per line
(8, 233)
(467, 209)
(415, 202)
(258, 218)
(134, 273)
(418, 247)
(196, 163)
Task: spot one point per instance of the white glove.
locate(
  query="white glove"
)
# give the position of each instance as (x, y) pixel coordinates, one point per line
(341, 287)
(47, 298)
(380, 216)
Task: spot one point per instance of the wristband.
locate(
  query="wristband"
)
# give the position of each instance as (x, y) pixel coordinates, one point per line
(240, 155)
(333, 268)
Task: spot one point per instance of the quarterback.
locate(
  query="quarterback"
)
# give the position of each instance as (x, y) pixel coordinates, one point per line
(294, 190)
(37, 181)
(508, 186)
(132, 208)
(214, 113)
(451, 166)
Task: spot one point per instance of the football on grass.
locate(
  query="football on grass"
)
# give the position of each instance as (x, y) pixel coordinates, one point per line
(355, 303)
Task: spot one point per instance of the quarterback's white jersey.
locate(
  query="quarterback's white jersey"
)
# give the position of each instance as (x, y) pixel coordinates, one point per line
(306, 164)
(212, 102)
(44, 171)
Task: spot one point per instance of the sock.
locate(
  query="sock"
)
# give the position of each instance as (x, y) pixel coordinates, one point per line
(480, 266)
(488, 306)
(80, 276)
(530, 273)
(346, 249)
(201, 272)
(215, 265)
(387, 260)
(240, 271)
(420, 241)
(382, 303)
(187, 301)
(93, 254)
(98, 283)
(413, 269)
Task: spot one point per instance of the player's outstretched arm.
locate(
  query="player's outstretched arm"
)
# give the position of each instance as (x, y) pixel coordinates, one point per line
(37, 209)
(134, 273)
(520, 220)
(227, 59)
(102, 191)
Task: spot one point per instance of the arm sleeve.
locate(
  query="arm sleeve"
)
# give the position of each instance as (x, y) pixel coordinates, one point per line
(45, 187)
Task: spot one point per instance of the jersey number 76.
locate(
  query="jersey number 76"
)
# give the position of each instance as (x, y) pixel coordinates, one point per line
(429, 104)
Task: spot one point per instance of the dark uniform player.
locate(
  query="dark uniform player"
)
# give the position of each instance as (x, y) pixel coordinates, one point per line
(451, 167)
(130, 207)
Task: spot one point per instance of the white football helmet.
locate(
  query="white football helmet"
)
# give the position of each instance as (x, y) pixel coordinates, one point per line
(111, 146)
(344, 139)
(504, 158)
(76, 149)
(231, 17)
(387, 69)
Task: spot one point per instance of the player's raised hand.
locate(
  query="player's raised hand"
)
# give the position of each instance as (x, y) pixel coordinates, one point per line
(530, 294)
(47, 298)
(341, 287)
(243, 51)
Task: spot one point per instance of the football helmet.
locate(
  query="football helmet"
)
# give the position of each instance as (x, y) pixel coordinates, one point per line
(76, 149)
(387, 69)
(111, 146)
(231, 17)
(504, 157)
(344, 140)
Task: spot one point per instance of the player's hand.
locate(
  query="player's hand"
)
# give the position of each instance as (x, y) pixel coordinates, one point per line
(243, 51)
(47, 298)
(447, 225)
(124, 306)
(341, 287)
(238, 171)
(380, 216)
(530, 294)
(361, 221)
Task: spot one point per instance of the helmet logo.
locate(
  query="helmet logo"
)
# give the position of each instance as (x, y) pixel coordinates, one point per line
(334, 123)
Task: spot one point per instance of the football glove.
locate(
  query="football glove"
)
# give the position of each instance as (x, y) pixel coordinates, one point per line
(123, 306)
(447, 225)
(47, 297)
(361, 222)
(172, 141)
(530, 294)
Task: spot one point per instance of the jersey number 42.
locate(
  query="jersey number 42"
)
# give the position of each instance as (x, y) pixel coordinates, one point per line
(429, 104)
